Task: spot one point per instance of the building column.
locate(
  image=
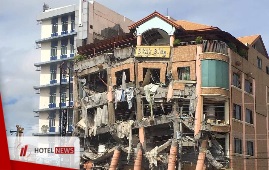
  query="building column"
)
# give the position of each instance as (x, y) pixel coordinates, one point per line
(139, 157)
(115, 159)
(172, 159)
(172, 39)
(199, 107)
(139, 40)
(110, 105)
(76, 99)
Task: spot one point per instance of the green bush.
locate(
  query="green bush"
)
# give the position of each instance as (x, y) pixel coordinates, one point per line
(176, 42)
(79, 57)
(199, 40)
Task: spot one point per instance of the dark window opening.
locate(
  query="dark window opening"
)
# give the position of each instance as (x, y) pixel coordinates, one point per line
(98, 81)
(214, 113)
(248, 86)
(54, 23)
(237, 112)
(259, 63)
(121, 76)
(151, 76)
(249, 116)
(64, 23)
(183, 73)
(236, 80)
(123, 113)
(158, 109)
(237, 145)
(155, 37)
(267, 70)
(250, 148)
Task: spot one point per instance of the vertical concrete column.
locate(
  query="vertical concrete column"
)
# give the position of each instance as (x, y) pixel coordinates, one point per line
(243, 113)
(173, 156)
(201, 156)
(88, 165)
(139, 105)
(255, 123)
(139, 157)
(76, 99)
(172, 39)
(199, 106)
(110, 105)
(139, 40)
(141, 134)
(115, 159)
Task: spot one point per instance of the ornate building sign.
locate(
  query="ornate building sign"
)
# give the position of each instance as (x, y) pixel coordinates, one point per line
(153, 51)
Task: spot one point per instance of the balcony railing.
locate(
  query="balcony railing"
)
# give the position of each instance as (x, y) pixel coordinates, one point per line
(53, 81)
(215, 46)
(53, 58)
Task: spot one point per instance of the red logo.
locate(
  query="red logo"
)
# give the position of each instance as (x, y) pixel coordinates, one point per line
(24, 150)
(64, 150)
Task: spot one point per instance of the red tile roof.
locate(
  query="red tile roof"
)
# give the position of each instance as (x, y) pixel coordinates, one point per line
(249, 39)
(189, 26)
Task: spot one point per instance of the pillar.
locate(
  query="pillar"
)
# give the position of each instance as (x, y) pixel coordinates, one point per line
(115, 159)
(139, 40)
(172, 39)
(138, 159)
(172, 159)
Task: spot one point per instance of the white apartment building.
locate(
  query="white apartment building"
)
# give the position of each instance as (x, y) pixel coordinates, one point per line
(62, 31)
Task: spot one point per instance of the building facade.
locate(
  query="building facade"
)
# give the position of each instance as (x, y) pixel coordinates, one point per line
(62, 30)
(172, 94)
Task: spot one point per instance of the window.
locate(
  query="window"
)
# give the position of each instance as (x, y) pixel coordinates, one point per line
(63, 97)
(119, 76)
(151, 75)
(72, 22)
(72, 48)
(53, 52)
(54, 23)
(249, 116)
(250, 148)
(52, 96)
(52, 116)
(64, 43)
(53, 72)
(259, 62)
(267, 69)
(236, 80)
(64, 24)
(248, 86)
(237, 145)
(237, 112)
(183, 73)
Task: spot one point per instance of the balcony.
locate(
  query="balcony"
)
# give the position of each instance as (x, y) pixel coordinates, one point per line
(52, 129)
(55, 36)
(64, 32)
(52, 108)
(72, 55)
(50, 85)
(63, 56)
(53, 61)
(52, 58)
(52, 105)
(53, 81)
(62, 104)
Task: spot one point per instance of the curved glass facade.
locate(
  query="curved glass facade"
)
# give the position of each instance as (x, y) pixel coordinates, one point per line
(215, 73)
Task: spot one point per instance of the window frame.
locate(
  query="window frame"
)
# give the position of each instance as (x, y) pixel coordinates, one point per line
(259, 62)
(249, 112)
(238, 149)
(184, 71)
(250, 148)
(237, 80)
(235, 115)
(248, 86)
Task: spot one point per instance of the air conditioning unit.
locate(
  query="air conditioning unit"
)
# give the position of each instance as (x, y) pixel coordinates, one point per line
(44, 128)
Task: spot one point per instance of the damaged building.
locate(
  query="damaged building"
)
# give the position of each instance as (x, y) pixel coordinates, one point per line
(172, 94)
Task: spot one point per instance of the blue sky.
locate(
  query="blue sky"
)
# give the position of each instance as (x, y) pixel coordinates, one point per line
(19, 30)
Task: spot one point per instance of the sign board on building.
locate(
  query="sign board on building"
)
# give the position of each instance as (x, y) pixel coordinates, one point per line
(153, 51)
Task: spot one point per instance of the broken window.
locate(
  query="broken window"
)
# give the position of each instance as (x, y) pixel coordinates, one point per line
(248, 86)
(122, 77)
(236, 80)
(183, 73)
(237, 112)
(237, 145)
(250, 148)
(98, 81)
(249, 116)
(151, 75)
